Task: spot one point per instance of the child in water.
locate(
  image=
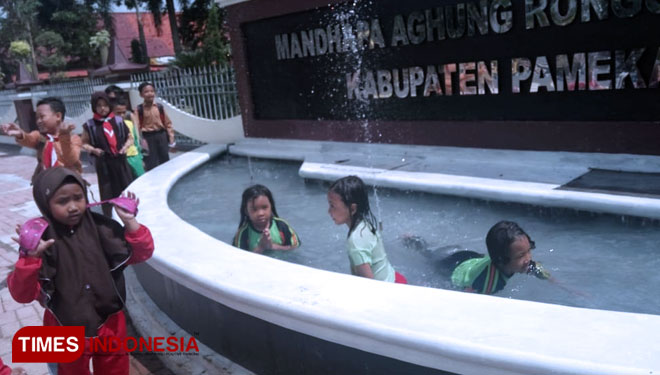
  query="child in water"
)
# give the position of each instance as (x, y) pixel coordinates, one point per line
(509, 252)
(260, 228)
(76, 269)
(349, 204)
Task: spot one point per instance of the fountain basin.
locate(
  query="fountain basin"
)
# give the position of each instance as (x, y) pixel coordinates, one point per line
(277, 317)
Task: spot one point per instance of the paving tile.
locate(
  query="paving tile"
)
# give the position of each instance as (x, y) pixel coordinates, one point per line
(8, 317)
(25, 312)
(9, 329)
(32, 321)
(5, 349)
(10, 304)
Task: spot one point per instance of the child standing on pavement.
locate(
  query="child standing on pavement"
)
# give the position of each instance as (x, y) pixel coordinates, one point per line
(76, 271)
(156, 127)
(54, 142)
(260, 228)
(134, 151)
(107, 138)
(349, 204)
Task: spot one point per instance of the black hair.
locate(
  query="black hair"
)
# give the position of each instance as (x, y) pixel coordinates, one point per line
(56, 105)
(499, 240)
(120, 100)
(145, 84)
(351, 190)
(249, 195)
(113, 89)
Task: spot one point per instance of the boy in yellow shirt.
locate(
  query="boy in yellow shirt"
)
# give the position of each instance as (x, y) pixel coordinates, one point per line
(134, 152)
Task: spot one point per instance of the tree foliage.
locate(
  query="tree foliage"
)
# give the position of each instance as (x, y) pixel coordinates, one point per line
(215, 44)
(20, 49)
(193, 22)
(204, 35)
(49, 50)
(75, 21)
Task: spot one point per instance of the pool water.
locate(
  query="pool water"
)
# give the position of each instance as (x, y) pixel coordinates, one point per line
(600, 261)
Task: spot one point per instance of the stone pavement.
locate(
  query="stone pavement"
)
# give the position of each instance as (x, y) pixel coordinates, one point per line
(16, 206)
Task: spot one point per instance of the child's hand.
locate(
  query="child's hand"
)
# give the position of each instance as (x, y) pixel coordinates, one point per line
(43, 245)
(66, 128)
(12, 130)
(265, 243)
(96, 151)
(130, 223)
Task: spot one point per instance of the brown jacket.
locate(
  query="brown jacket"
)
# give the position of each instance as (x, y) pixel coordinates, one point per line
(151, 122)
(67, 148)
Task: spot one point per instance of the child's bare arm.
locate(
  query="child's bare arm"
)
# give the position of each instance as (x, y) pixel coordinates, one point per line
(265, 242)
(22, 138)
(71, 146)
(13, 130)
(364, 270)
(87, 144)
(282, 247)
(129, 140)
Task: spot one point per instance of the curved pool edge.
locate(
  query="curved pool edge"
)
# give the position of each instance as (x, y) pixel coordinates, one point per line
(449, 331)
(539, 194)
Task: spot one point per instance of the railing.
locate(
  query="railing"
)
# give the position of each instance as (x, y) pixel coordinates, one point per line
(76, 95)
(7, 98)
(208, 92)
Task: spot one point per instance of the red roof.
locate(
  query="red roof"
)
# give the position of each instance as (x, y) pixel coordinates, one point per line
(69, 74)
(126, 30)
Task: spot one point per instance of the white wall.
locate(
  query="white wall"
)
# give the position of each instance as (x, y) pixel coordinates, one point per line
(209, 131)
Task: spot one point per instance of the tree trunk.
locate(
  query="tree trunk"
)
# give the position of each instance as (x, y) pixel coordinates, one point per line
(143, 39)
(171, 14)
(35, 71)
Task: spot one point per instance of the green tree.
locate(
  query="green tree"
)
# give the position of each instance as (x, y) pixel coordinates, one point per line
(49, 50)
(76, 25)
(204, 35)
(74, 20)
(20, 23)
(21, 51)
(215, 46)
(193, 23)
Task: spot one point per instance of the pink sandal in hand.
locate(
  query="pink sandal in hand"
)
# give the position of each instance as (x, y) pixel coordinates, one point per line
(125, 203)
(30, 235)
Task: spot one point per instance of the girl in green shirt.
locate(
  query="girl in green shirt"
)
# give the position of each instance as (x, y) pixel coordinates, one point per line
(349, 204)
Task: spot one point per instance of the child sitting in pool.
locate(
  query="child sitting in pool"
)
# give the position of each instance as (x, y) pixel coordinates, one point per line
(509, 252)
(349, 204)
(260, 228)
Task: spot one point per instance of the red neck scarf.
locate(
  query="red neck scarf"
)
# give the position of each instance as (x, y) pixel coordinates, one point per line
(49, 157)
(109, 133)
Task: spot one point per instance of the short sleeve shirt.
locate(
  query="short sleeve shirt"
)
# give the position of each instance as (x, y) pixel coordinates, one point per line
(364, 246)
(281, 233)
